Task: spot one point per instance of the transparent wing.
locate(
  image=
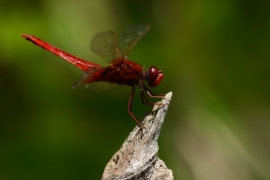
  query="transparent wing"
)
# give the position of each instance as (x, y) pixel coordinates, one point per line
(130, 38)
(106, 46)
(87, 79)
(102, 86)
(85, 76)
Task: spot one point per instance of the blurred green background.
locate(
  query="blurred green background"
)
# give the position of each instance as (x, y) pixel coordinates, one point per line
(215, 57)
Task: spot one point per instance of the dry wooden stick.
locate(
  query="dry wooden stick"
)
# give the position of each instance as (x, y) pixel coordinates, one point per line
(138, 156)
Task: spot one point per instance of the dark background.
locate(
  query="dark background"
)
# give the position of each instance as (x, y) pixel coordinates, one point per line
(215, 57)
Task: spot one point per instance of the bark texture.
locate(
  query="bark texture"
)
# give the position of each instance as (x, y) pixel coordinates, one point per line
(138, 158)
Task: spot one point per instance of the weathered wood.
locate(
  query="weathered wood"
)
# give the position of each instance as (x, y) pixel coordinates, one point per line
(138, 158)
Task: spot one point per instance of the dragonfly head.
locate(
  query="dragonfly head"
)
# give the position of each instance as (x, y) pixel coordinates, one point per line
(153, 76)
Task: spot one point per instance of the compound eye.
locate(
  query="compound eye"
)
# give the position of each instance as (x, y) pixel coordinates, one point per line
(152, 74)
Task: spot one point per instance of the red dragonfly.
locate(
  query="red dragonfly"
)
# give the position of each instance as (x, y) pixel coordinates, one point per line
(120, 71)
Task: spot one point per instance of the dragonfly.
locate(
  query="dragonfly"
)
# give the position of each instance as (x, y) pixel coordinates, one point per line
(121, 71)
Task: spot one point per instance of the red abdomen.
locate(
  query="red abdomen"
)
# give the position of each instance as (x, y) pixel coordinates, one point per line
(80, 63)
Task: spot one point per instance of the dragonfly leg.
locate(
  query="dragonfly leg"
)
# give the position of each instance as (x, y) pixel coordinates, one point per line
(144, 98)
(150, 94)
(130, 107)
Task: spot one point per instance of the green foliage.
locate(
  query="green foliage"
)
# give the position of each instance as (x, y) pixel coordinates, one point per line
(215, 57)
